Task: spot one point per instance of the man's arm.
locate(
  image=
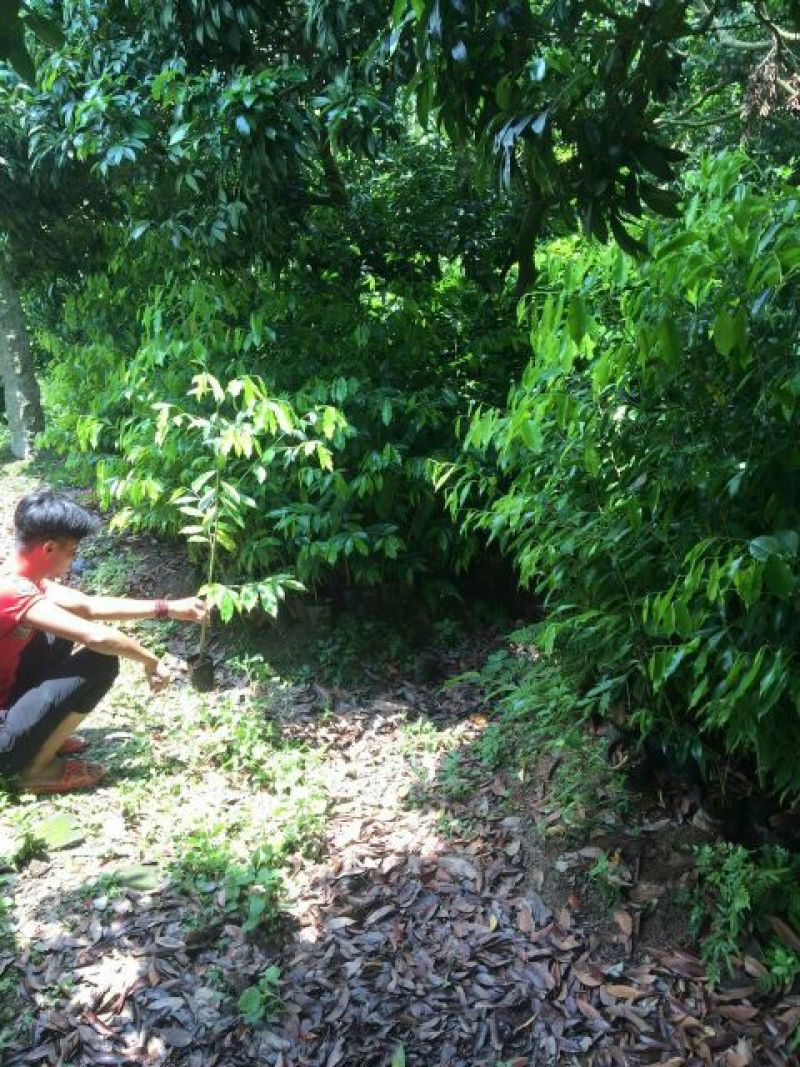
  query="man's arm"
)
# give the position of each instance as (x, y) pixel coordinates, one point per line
(105, 608)
(45, 615)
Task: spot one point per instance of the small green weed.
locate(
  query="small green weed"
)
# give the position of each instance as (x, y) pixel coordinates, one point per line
(603, 874)
(452, 827)
(456, 780)
(447, 632)
(6, 926)
(301, 821)
(783, 969)
(262, 1002)
(258, 670)
(8, 982)
(215, 978)
(422, 736)
(251, 890)
(242, 739)
(738, 892)
(107, 885)
(27, 847)
(61, 990)
(246, 741)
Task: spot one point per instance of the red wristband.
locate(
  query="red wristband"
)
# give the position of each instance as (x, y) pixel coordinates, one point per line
(161, 609)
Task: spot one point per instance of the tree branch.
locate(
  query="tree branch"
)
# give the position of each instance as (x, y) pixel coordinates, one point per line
(778, 32)
(696, 124)
(727, 38)
(695, 104)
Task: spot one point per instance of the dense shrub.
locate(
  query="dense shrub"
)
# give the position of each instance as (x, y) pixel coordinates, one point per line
(297, 411)
(644, 472)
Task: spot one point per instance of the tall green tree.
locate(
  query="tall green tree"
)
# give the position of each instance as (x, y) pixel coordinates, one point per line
(17, 375)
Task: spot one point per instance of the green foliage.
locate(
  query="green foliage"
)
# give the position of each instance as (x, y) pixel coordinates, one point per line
(289, 421)
(271, 306)
(356, 640)
(262, 1002)
(8, 982)
(643, 473)
(111, 574)
(453, 779)
(250, 891)
(738, 892)
(538, 715)
(558, 97)
(17, 17)
(783, 969)
(243, 739)
(246, 741)
(27, 846)
(422, 735)
(603, 874)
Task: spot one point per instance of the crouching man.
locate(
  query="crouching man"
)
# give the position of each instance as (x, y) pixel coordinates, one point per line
(57, 658)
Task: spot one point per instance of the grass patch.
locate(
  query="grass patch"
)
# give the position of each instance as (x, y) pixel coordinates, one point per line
(539, 716)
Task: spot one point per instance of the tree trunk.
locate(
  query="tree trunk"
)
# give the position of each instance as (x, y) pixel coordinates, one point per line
(526, 244)
(23, 402)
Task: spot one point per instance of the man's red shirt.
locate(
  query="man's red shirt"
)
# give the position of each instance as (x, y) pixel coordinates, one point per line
(17, 596)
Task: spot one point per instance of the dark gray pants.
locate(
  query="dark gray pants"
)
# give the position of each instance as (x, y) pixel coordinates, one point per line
(50, 684)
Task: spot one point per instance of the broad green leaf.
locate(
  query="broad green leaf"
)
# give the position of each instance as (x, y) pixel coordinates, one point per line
(577, 318)
(748, 583)
(670, 341)
(59, 831)
(778, 576)
(789, 541)
(179, 134)
(725, 332)
(251, 1007)
(761, 548)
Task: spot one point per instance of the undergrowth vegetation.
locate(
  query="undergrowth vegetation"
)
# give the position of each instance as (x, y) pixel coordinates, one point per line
(250, 889)
(539, 719)
(623, 476)
(293, 425)
(742, 892)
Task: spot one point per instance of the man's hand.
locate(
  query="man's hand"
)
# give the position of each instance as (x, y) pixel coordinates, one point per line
(190, 609)
(157, 676)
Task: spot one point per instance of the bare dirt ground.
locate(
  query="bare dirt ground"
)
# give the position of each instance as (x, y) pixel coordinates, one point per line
(434, 913)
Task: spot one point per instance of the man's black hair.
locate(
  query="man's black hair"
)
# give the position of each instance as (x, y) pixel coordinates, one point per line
(45, 515)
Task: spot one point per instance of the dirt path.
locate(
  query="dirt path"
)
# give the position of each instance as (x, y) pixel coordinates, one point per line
(411, 929)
